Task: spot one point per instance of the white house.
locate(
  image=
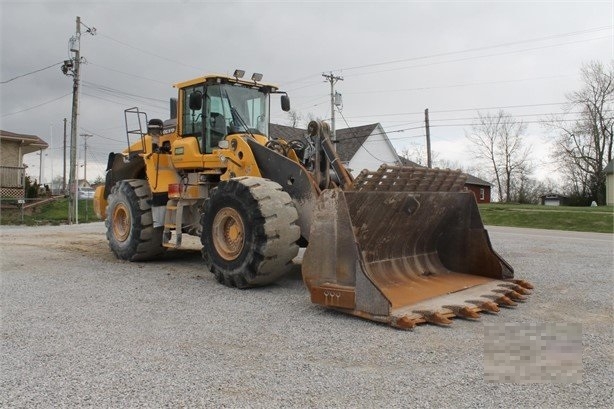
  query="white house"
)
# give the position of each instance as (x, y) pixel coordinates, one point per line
(359, 147)
(365, 147)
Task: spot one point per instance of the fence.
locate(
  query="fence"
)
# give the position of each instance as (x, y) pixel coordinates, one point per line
(12, 182)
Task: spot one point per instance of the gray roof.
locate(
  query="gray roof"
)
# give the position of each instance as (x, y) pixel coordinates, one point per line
(553, 195)
(407, 162)
(349, 140)
(29, 143)
(472, 180)
(26, 139)
(286, 132)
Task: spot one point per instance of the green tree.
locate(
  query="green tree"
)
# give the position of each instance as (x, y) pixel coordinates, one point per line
(31, 188)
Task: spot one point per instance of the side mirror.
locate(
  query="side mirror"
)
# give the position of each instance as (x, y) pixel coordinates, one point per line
(173, 106)
(196, 101)
(285, 103)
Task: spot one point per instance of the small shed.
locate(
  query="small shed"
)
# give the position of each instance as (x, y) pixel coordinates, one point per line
(609, 183)
(554, 199)
(480, 188)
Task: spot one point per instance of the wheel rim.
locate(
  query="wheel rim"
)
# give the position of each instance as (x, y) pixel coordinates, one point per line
(121, 222)
(228, 233)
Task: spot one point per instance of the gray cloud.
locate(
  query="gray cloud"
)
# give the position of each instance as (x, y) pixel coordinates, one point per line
(142, 48)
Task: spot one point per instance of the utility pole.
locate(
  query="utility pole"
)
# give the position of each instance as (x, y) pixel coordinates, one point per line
(429, 163)
(75, 62)
(64, 175)
(40, 168)
(50, 158)
(71, 67)
(85, 138)
(333, 80)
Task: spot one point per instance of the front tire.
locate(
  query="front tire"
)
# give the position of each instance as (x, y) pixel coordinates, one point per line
(249, 232)
(129, 222)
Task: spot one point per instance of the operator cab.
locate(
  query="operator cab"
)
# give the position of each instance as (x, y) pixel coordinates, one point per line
(214, 107)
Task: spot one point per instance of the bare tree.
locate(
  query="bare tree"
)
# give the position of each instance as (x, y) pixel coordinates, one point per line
(583, 147)
(498, 141)
(294, 118)
(312, 117)
(417, 154)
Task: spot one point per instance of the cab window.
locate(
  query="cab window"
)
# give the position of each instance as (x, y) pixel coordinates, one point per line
(192, 119)
(217, 117)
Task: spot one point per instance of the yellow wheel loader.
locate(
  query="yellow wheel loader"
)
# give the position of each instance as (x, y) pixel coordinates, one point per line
(398, 245)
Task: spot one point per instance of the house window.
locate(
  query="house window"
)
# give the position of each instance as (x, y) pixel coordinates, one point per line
(481, 193)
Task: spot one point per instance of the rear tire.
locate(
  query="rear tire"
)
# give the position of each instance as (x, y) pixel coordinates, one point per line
(249, 232)
(129, 222)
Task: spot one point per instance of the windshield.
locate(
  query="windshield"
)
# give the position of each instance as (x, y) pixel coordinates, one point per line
(242, 109)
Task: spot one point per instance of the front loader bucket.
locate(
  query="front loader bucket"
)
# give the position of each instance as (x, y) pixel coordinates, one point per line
(405, 258)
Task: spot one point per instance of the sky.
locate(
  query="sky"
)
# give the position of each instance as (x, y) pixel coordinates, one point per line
(396, 58)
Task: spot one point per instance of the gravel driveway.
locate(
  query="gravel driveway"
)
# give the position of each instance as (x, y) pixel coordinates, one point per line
(80, 328)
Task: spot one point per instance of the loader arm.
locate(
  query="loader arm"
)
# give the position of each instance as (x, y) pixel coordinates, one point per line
(293, 178)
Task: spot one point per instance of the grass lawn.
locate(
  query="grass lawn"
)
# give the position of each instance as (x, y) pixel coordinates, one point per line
(592, 219)
(55, 212)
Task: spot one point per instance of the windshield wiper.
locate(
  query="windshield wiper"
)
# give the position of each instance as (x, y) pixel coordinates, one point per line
(236, 115)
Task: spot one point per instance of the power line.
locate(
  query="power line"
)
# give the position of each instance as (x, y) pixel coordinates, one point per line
(362, 145)
(32, 72)
(101, 136)
(155, 108)
(374, 134)
(476, 57)
(544, 121)
(111, 90)
(150, 53)
(126, 73)
(573, 33)
(458, 85)
(35, 106)
(443, 54)
(461, 110)
(502, 107)
(515, 116)
(310, 84)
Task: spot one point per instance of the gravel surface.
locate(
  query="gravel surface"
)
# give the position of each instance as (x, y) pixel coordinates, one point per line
(80, 328)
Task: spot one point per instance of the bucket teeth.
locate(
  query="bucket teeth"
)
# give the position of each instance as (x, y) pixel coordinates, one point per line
(522, 290)
(524, 283)
(467, 312)
(505, 301)
(511, 294)
(464, 311)
(516, 296)
(519, 289)
(437, 318)
(489, 306)
(405, 322)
